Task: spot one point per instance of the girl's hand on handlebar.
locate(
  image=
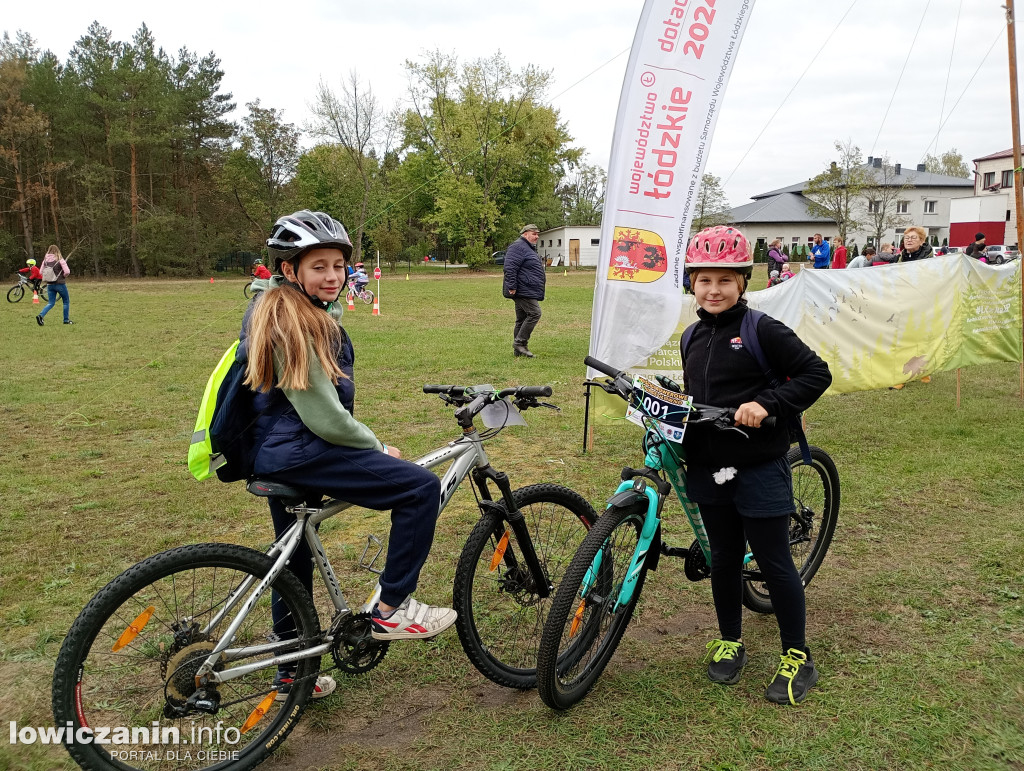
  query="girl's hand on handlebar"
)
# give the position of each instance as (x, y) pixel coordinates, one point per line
(750, 414)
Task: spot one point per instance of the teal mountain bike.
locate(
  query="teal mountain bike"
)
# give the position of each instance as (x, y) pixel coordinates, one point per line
(601, 587)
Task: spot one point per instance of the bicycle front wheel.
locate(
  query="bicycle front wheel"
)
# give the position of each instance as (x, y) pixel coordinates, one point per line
(586, 622)
(127, 667)
(501, 615)
(367, 296)
(811, 527)
(15, 293)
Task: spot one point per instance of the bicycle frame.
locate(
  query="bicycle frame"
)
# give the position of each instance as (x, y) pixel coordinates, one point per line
(467, 455)
(660, 457)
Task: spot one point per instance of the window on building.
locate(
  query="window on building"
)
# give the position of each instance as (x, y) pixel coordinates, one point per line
(559, 241)
(989, 179)
(902, 207)
(595, 241)
(871, 241)
(874, 207)
(929, 207)
(549, 242)
(1007, 180)
(1007, 215)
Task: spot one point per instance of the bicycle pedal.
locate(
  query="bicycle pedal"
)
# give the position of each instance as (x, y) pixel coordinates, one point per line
(372, 541)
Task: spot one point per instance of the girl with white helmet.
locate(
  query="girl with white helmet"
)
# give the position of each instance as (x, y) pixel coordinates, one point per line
(744, 486)
(300, 366)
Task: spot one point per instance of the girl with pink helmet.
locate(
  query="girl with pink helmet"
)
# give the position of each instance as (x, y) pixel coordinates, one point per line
(743, 484)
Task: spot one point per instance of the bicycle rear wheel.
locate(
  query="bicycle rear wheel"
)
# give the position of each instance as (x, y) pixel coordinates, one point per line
(247, 290)
(15, 293)
(584, 627)
(131, 656)
(816, 503)
(501, 615)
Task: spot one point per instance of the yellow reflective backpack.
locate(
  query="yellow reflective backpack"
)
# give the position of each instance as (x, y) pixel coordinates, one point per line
(222, 439)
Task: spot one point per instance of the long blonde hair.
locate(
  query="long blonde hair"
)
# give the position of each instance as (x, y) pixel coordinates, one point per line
(54, 250)
(286, 321)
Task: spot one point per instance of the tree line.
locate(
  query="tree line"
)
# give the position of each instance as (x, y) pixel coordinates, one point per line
(127, 157)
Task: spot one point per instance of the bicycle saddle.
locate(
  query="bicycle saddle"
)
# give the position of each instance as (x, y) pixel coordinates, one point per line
(290, 496)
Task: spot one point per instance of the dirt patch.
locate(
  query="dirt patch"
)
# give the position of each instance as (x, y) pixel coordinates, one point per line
(685, 623)
(329, 744)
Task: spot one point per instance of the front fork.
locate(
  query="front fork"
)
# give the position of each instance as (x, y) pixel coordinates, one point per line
(507, 511)
(634, 488)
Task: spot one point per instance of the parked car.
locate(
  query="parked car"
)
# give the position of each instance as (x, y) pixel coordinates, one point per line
(953, 249)
(499, 257)
(998, 254)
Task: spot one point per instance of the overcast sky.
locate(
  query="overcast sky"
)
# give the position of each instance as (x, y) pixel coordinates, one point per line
(277, 52)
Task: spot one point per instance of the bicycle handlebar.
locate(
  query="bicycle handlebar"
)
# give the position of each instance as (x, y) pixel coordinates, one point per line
(451, 390)
(624, 387)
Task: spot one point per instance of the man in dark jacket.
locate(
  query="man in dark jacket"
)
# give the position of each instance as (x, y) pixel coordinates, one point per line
(524, 285)
(978, 249)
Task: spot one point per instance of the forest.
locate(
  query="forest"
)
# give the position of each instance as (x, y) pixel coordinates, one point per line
(137, 163)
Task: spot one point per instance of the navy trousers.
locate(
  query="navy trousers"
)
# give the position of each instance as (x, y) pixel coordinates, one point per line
(373, 480)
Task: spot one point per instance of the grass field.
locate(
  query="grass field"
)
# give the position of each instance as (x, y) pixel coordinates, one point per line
(916, 618)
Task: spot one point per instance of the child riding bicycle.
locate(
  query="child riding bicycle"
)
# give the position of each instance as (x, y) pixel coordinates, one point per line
(300, 366)
(744, 485)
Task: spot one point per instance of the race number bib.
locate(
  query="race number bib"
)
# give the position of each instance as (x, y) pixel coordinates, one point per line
(669, 409)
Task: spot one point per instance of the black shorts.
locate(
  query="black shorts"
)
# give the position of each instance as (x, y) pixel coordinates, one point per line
(765, 490)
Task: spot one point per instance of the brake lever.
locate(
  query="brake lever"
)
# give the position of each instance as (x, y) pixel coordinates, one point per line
(554, 407)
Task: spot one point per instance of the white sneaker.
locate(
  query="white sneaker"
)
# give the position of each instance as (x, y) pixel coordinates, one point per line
(412, 621)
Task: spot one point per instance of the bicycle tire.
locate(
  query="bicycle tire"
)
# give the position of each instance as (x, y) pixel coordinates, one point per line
(15, 293)
(500, 618)
(367, 296)
(247, 291)
(581, 634)
(96, 685)
(816, 498)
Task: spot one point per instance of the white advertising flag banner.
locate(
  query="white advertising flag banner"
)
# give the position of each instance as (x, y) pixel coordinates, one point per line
(672, 94)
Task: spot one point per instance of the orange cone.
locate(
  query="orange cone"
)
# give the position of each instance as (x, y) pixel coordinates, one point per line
(211, 279)
(35, 297)
(376, 306)
(351, 307)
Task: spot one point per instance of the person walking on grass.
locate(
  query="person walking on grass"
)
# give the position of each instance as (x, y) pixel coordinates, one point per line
(742, 482)
(55, 272)
(524, 285)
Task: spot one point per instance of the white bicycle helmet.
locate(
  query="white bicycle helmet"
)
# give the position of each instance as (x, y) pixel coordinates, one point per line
(295, 234)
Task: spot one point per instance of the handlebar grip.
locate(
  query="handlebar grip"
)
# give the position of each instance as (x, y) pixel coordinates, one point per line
(454, 390)
(534, 391)
(600, 366)
(770, 422)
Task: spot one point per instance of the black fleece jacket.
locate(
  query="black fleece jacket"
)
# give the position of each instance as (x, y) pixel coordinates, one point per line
(720, 371)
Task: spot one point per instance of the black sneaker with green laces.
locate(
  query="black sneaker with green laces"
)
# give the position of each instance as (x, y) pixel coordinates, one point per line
(727, 661)
(795, 677)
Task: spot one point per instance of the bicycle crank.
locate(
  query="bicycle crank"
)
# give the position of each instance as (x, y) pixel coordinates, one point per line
(354, 650)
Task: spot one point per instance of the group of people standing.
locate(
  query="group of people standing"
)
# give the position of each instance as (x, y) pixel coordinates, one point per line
(914, 246)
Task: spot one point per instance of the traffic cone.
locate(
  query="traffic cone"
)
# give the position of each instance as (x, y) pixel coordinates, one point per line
(351, 307)
(35, 297)
(376, 306)
(406, 276)
(565, 273)
(211, 279)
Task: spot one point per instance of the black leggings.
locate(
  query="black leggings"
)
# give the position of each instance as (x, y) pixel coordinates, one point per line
(729, 533)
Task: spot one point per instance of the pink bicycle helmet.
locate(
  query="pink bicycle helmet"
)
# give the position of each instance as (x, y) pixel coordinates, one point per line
(720, 246)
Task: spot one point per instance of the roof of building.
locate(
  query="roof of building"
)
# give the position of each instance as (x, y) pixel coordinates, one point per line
(906, 176)
(993, 156)
(784, 207)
